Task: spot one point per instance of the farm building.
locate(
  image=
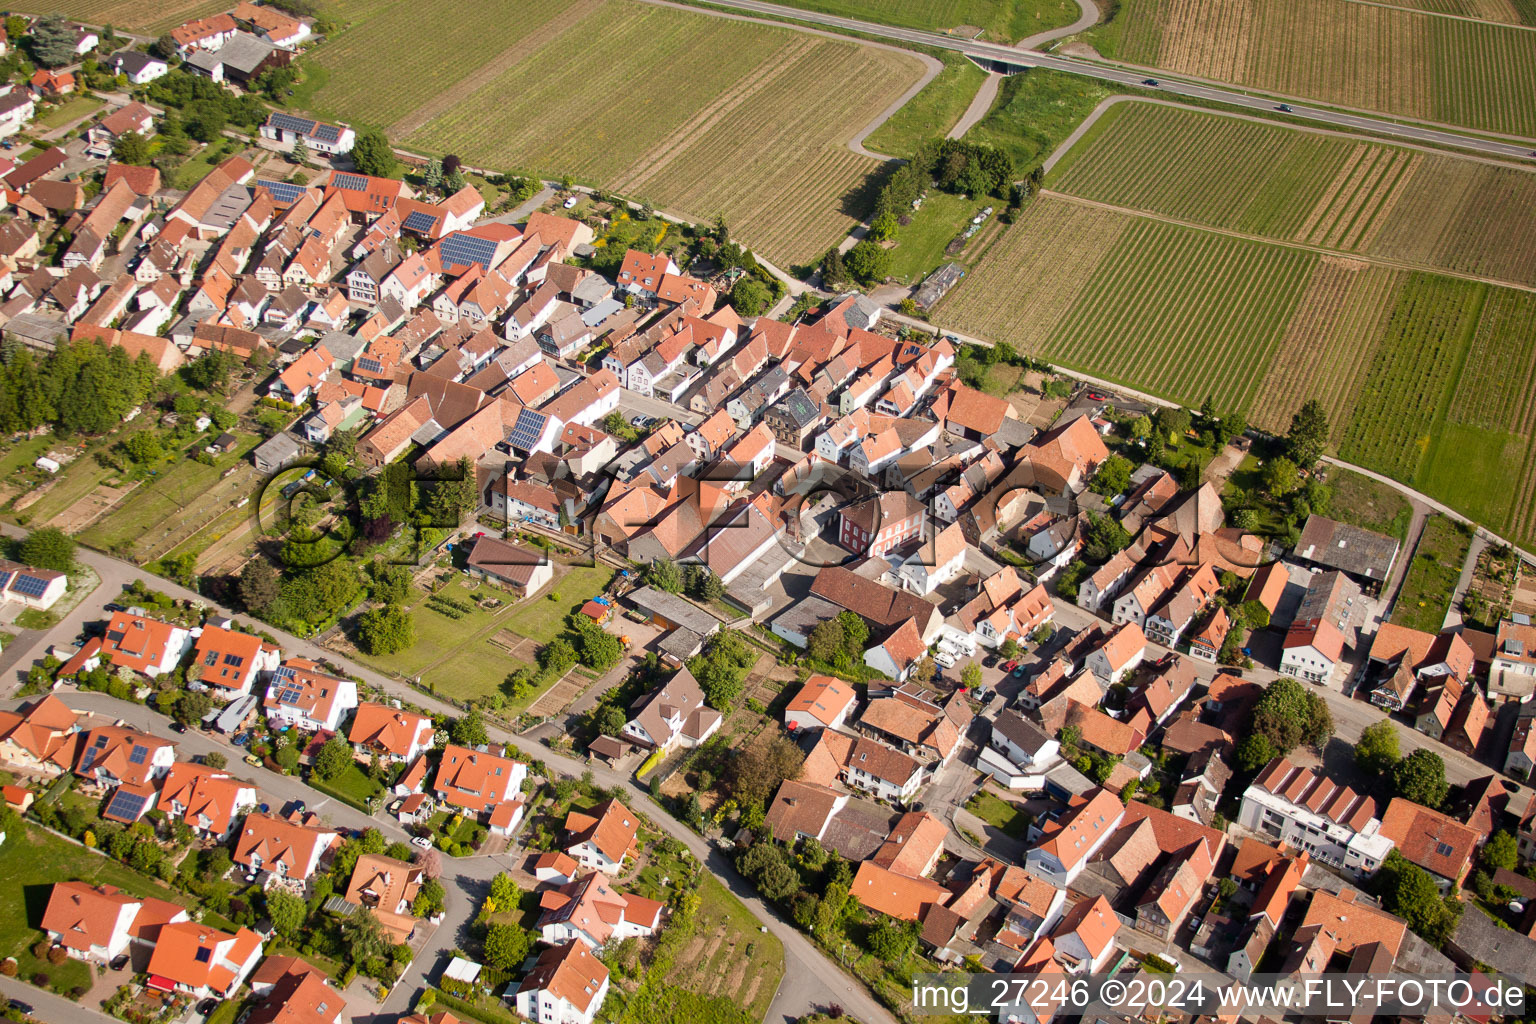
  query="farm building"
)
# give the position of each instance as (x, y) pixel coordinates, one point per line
(522, 569)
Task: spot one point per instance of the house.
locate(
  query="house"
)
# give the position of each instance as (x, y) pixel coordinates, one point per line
(228, 661)
(554, 866)
(1365, 556)
(523, 570)
(1436, 842)
(880, 523)
(1302, 809)
(388, 887)
(641, 273)
(793, 418)
(143, 645)
(287, 129)
(867, 764)
(141, 68)
(1512, 669)
(17, 107)
(1025, 748)
(674, 713)
(823, 702)
(201, 961)
(1403, 658)
(477, 781)
(113, 755)
(302, 996)
(566, 986)
(803, 810)
(897, 895)
(918, 723)
(241, 60)
(1322, 628)
(393, 734)
(204, 34)
(1085, 938)
(1069, 841)
(30, 587)
(207, 800)
(589, 909)
(602, 839)
(49, 83)
(897, 654)
(1118, 655)
(274, 453)
(39, 736)
(308, 699)
(1062, 460)
(282, 847)
(91, 922)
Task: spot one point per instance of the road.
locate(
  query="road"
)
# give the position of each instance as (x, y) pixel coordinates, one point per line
(1014, 57)
(815, 981)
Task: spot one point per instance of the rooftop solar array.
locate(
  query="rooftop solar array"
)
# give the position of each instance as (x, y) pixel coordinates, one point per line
(31, 586)
(420, 222)
(368, 364)
(326, 132)
(459, 250)
(291, 123)
(289, 693)
(282, 191)
(351, 182)
(126, 806)
(234, 660)
(525, 434)
(139, 754)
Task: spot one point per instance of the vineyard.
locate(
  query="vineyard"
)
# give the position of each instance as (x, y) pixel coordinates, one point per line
(1002, 20)
(1368, 56)
(1507, 12)
(1437, 211)
(150, 17)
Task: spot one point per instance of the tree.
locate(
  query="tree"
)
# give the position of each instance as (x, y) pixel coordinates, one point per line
(1141, 427)
(596, 647)
(610, 720)
(333, 758)
(48, 548)
(1501, 851)
(165, 47)
(1254, 752)
(371, 154)
(557, 655)
(1377, 750)
(855, 632)
(750, 297)
(892, 940)
(215, 760)
(287, 912)
(1420, 777)
(970, 676)
(258, 585)
(1281, 476)
(1288, 715)
(1009, 648)
(826, 640)
(1171, 421)
(469, 730)
(757, 772)
(300, 152)
(924, 670)
(663, 574)
(131, 148)
(364, 936)
(192, 706)
(143, 447)
(722, 668)
(1105, 537)
(1308, 437)
(834, 269)
(1113, 477)
(429, 899)
(884, 226)
(1408, 891)
(391, 584)
(52, 42)
(868, 262)
(205, 121)
(504, 893)
(386, 630)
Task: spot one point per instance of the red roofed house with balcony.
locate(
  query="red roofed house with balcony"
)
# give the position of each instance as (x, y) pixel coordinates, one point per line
(477, 781)
(602, 839)
(1435, 842)
(209, 801)
(566, 986)
(90, 923)
(285, 848)
(592, 910)
(228, 661)
(388, 887)
(202, 961)
(112, 755)
(303, 375)
(307, 698)
(1085, 938)
(1075, 836)
(641, 272)
(204, 34)
(40, 736)
(146, 646)
(393, 734)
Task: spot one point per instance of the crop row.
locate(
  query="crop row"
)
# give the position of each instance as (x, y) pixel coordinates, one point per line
(1497, 390)
(148, 16)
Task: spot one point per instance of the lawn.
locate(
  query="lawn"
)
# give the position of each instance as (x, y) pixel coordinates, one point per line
(353, 785)
(30, 862)
(541, 619)
(727, 956)
(1431, 581)
(932, 112)
(440, 634)
(69, 110)
(920, 244)
(999, 813)
(1034, 112)
(1003, 21)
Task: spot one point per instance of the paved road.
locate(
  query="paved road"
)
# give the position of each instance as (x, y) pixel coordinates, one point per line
(1013, 57)
(814, 981)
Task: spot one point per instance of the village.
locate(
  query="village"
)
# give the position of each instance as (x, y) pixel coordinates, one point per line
(531, 618)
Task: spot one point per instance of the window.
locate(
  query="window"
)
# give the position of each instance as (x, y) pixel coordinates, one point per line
(1443, 850)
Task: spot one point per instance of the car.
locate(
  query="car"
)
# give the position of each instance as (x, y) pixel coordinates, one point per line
(1018, 673)
(990, 661)
(113, 607)
(119, 962)
(1096, 396)
(21, 1007)
(207, 1006)
(178, 727)
(252, 759)
(571, 202)
(1010, 664)
(1149, 81)
(421, 841)
(1284, 108)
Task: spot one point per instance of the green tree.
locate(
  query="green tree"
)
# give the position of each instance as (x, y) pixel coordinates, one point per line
(1113, 477)
(970, 676)
(469, 730)
(826, 640)
(855, 633)
(756, 772)
(259, 585)
(663, 574)
(1105, 537)
(287, 912)
(504, 892)
(1377, 750)
(192, 707)
(1307, 439)
(1281, 476)
(557, 655)
(52, 42)
(386, 630)
(143, 447)
(868, 262)
(1409, 892)
(164, 47)
(1141, 427)
(1288, 715)
(363, 936)
(430, 899)
(1501, 851)
(1254, 752)
(371, 154)
(333, 758)
(131, 148)
(884, 226)
(300, 152)
(47, 547)
(610, 720)
(750, 297)
(215, 760)
(892, 940)
(1420, 777)
(391, 584)
(596, 647)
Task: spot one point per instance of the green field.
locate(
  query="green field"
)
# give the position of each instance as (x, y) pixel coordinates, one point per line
(1003, 20)
(1007, 817)
(932, 112)
(1431, 580)
(630, 96)
(1433, 210)
(150, 17)
(1034, 113)
(727, 955)
(920, 244)
(1368, 56)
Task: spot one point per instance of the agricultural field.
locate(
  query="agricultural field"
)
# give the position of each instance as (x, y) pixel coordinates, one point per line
(1432, 575)
(1003, 21)
(1505, 12)
(1426, 378)
(149, 17)
(1431, 210)
(1366, 56)
(633, 96)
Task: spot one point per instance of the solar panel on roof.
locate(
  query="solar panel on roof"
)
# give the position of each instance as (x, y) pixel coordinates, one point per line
(419, 221)
(290, 693)
(31, 586)
(327, 132)
(126, 805)
(139, 755)
(525, 434)
(370, 365)
(459, 249)
(353, 182)
(290, 123)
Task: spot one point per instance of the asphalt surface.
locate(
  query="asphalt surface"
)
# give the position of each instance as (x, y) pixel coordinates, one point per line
(1012, 56)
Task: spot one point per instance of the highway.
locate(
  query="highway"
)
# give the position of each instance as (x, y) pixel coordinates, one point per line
(1014, 56)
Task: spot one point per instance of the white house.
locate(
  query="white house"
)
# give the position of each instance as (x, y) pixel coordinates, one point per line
(824, 702)
(287, 129)
(16, 109)
(29, 587)
(1118, 655)
(308, 699)
(90, 923)
(589, 909)
(1069, 842)
(566, 986)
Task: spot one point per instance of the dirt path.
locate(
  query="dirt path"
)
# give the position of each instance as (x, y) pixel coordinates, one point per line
(1088, 19)
(979, 105)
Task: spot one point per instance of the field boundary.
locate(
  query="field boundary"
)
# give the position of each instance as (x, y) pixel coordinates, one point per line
(1443, 14)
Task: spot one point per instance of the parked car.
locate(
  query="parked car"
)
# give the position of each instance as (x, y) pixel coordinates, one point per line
(119, 962)
(1010, 665)
(421, 841)
(21, 1007)
(252, 759)
(178, 727)
(1018, 672)
(569, 203)
(990, 661)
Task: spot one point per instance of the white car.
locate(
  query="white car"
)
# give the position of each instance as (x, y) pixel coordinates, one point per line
(571, 202)
(421, 841)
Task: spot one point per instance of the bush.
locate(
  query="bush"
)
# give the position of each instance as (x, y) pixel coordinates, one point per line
(40, 979)
(8, 967)
(57, 955)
